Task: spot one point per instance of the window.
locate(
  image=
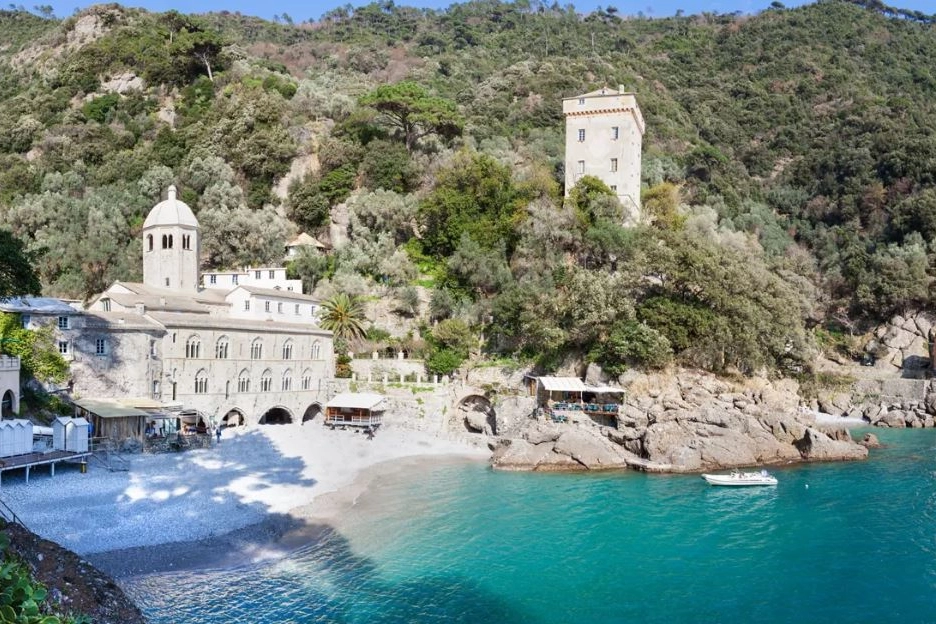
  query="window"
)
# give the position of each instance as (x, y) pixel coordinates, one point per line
(105, 305)
(167, 282)
(63, 347)
(287, 350)
(233, 279)
(201, 382)
(165, 242)
(25, 319)
(614, 187)
(272, 274)
(581, 166)
(615, 133)
(581, 101)
(266, 306)
(287, 381)
(155, 388)
(149, 242)
(153, 348)
(170, 241)
(63, 322)
(316, 350)
(221, 349)
(256, 274)
(256, 350)
(279, 307)
(247, 305)
(297, 309)
(614, 164)
(193, 348)
(173, 337)
(266, 381)
(243, 381)
(100, 346)
(306, 380)
(581, 134)
(212, 279)
(186, 241)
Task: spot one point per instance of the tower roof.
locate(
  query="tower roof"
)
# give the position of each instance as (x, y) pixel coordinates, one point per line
(172, 211)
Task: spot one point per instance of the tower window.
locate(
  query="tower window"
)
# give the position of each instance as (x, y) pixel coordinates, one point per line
(170, 241)
(165, 242)
(186, 241)
(614, 164)
(581, 166)
(581, 134)
(149, 242)
(615, 133)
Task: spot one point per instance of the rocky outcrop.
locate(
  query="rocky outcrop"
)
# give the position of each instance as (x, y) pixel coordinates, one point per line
(685, 422)
(903, 343)
(74, 585)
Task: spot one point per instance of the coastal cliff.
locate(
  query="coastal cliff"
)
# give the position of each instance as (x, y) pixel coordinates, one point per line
(684, 422)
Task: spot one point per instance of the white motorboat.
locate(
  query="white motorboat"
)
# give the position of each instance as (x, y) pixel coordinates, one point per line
(738, 478)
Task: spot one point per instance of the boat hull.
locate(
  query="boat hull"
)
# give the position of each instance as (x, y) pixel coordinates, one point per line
(740, 480)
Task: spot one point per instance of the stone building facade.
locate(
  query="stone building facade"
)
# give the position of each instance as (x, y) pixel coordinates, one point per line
(604, 136)
(242, 354)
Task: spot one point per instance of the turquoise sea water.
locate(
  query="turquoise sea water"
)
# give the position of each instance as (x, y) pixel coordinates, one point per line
(459, 543)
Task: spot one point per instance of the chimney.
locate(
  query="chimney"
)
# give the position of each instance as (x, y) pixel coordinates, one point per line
(620, 90)
(172, 192)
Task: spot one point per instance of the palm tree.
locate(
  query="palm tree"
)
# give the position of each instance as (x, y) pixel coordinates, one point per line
(344, 316)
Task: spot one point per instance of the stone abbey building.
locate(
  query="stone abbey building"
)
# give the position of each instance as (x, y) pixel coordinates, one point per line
(239, 353)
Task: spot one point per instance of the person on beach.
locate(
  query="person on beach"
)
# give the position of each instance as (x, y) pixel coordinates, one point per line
(370, 433)
(218, 433)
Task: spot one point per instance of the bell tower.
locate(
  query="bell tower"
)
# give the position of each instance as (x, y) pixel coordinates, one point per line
(171, 246)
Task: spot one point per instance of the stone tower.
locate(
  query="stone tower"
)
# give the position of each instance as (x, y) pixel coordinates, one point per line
(604, 135)
(171, 246)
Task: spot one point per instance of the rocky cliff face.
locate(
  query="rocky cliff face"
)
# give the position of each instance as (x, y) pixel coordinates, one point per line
(685, 422)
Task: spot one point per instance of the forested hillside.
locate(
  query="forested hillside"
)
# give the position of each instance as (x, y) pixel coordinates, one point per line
(789, 167)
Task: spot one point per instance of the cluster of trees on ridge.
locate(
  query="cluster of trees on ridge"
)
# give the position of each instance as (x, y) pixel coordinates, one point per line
(789, 167)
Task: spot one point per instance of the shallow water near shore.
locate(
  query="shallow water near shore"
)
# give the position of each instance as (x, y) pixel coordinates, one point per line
(456, 542)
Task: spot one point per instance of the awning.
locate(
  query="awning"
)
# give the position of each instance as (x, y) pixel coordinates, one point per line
(109, 409)
(562, 384)
(356, 400)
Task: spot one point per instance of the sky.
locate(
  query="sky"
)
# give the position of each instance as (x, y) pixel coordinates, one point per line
(302, 10)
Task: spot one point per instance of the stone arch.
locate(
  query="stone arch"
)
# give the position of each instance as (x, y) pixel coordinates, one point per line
(278, 415)
(479, 414)
(234, 418)
(312, 412)
(8, 404)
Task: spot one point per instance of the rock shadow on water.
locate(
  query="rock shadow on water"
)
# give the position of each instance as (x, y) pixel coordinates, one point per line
(321, 581)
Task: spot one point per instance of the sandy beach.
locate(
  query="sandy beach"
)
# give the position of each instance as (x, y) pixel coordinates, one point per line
(264, 491)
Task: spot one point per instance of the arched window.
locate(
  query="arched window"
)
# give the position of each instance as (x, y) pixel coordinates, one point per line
(306, 379)
(243, 381)
(266, 381)
(201, 382)
(170, 241)
(149, 242)
(193, 348)
(316, 350)
(287, 350)
(256, 349)
(221, 348)
(165, 242)
(287, 381)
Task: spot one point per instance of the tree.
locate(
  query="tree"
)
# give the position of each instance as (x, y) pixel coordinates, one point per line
(17, 276)
(344, 316)
(408, 108)
(36, 349)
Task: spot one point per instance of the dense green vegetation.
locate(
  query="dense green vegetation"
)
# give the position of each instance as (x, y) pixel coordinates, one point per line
(789, 166)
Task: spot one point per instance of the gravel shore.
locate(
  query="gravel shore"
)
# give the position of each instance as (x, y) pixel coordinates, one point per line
(247, 499)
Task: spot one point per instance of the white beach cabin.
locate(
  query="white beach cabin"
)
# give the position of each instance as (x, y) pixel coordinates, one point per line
(70, 434)
(16, 437)
(355, 409)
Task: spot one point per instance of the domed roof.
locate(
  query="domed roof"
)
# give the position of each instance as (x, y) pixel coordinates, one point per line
(172, 211)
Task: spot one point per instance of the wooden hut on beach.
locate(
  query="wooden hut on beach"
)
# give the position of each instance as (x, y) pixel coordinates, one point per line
(355, 409)
(563, 397)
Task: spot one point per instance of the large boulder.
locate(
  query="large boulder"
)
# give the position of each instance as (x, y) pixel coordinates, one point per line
(818, 446)
(593, 452)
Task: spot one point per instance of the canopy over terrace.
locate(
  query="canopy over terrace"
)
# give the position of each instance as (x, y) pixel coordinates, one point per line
(355, 409)
(571, 393)
(123, 419)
